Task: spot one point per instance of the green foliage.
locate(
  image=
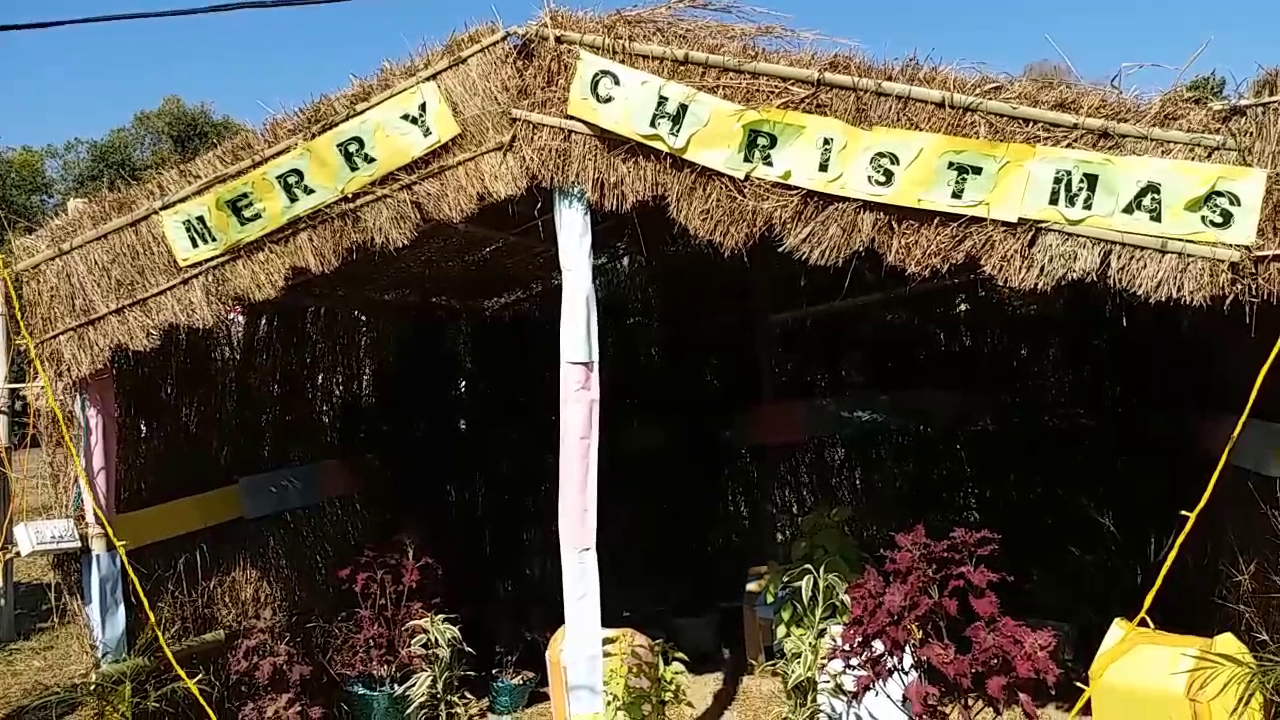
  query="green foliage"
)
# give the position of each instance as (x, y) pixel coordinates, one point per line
(138, 689)
(816, 605)
(28, 189)
(435, 689)
(1209, 87)
(36, 181)
(1256, 683)
(823, 543)
(173, 133)
(650, 681)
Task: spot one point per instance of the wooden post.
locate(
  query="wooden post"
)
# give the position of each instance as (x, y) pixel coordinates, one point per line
(768, 458)
(8, 630)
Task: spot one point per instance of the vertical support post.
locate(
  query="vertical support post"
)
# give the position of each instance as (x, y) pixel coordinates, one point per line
(579, 458)
(102, 571)
(770, 457)
(8, 628)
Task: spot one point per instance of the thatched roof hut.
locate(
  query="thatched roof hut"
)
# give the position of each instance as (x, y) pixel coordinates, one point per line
(462, 224)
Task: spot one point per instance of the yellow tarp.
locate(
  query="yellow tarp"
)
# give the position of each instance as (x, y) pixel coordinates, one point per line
(1153, 675)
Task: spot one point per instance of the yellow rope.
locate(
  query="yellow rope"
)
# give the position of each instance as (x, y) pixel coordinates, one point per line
(93, 501)
(1191, 516)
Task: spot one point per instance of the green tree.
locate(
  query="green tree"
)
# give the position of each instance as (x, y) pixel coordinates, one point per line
(1207, 88)
(36, 181)
(28, 189)
(173, 133)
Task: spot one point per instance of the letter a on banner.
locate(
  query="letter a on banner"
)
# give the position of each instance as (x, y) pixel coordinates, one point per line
(583, 657)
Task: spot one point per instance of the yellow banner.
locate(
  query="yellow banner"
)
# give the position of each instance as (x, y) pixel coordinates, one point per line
(361, 150)
(1000, 181)
(1178, 199)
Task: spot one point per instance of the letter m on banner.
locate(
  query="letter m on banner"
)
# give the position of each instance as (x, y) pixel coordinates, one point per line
(198, 233)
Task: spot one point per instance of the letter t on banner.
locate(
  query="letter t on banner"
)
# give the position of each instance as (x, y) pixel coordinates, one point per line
(583, 657)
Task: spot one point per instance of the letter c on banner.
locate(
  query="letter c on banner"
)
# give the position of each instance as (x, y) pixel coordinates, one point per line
(602, 83)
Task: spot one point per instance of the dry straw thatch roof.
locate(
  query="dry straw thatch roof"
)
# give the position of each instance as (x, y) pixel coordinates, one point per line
(122, 291)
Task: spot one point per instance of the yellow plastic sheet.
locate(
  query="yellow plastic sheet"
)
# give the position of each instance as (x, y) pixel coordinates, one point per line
(1154, 675)
(357, 152)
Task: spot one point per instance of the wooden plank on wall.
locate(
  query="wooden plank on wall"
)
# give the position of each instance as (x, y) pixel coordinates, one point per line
(292, 488)
(254, 496)
(178, 517)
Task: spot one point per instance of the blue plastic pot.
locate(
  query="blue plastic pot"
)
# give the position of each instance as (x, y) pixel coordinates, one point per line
(508, 697)
(368, 700)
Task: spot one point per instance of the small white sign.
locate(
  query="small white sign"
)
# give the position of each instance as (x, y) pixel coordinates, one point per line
(45, 537)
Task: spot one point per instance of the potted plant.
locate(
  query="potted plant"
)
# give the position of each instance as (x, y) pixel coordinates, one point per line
(372, 644)
(823, 544)
(927, 637)
(807, 596)
(644, 681)
(438, 653)
(510, 687)
(813, 612)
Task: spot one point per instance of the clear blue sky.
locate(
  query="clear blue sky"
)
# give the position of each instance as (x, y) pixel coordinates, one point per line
(81, 81)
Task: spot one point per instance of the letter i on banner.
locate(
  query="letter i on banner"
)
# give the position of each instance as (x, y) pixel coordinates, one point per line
(583, 657)
(791, 147)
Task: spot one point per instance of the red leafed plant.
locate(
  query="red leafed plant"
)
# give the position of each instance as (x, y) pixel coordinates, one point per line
(936, 599)
(270, 674)
(371, 643)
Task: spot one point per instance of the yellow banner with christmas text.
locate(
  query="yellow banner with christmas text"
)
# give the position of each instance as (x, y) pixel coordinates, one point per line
(1192, 201)
(340, 161)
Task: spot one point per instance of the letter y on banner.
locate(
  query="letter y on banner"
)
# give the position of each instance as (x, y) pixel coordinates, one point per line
(579, 458)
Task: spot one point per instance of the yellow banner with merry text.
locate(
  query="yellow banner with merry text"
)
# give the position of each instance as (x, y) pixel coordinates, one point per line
(352, 155)
(1000, 181)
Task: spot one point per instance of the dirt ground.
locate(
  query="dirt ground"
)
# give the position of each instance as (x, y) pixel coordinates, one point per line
(52, 648)
(755, 698)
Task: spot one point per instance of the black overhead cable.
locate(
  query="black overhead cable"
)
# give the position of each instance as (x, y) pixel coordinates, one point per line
(205, 10)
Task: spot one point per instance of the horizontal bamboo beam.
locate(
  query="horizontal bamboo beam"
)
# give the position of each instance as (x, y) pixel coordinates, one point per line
(1113, 236)
(839, 306)
(262, 157)
(145, 664)
(882, 87)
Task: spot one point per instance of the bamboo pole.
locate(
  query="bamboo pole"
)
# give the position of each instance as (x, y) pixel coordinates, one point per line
(882, 87)
(372, 193)
(259, 158)
(1147, 241)
(839, 306)
(1113, 236)
(140, 665)
(8, 627)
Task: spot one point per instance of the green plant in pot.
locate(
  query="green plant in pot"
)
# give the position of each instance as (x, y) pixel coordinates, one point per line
(372, 644)
(807, 593)
(815, 609)
(824, 544)
(435, 688)
(510, 688)
(649, 683)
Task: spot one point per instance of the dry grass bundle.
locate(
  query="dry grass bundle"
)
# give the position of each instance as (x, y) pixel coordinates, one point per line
(124, 290)
(825, 230)
(132, 262)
